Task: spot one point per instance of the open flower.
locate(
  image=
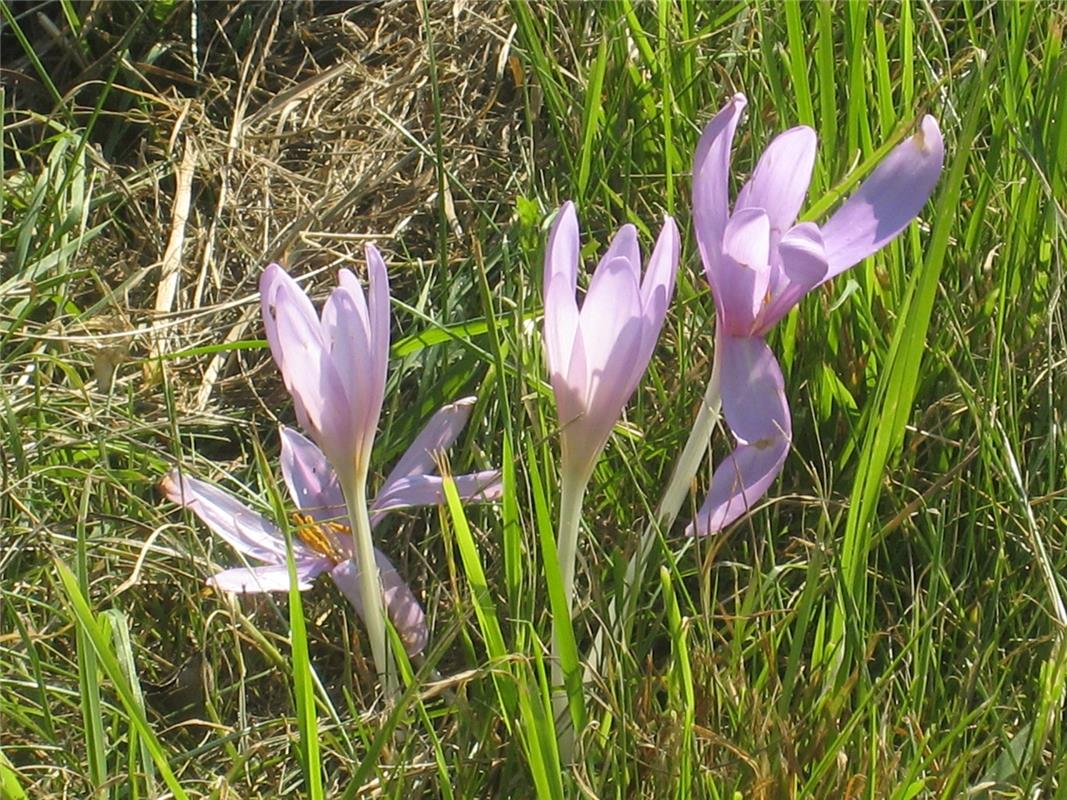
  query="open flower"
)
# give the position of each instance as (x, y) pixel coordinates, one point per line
(334, 366)
(760, 264)
(597, 354)
(323, 533)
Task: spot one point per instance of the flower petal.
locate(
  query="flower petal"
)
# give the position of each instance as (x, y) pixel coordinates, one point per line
(757, 412)
(272, 578)
(443, 428)
(612, 303)
(563, 252)
(428, 490)
(887, 201)
(242, 528)
(711, 184)
(780, 181)
(624, 245)
(803, 267)
(312, 483)
(560, 326)
(745, 270)
(380, 319)
(657, 289)
(404, 610)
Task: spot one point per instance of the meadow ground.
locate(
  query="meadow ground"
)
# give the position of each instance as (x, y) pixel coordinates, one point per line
(889, 623)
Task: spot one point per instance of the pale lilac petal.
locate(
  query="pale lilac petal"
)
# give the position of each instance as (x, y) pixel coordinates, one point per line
(314, 384)
(738, 483)
(273, 280)
(757, 412)
(780, 181)
(802, 268)
(657, 289)
(428, 490)
(887, 201)
(563, 253)
(242, 528)
(711, 185)
(624, 245)
(350, 354)
(561, 325)
(753, 391)
(745, 271)
(272, 578)
(612, 303)
(312, 483)
(380, 318)
(443, 428)
(404, 610)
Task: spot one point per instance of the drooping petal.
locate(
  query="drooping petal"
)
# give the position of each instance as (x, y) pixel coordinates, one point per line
(887, 201)
(738, 483)
(745, 270)
(757, 412)
(271, 578)
(780, 181)
(404, 610)
(711, 185)
(380, 319)
(443, 428)
(226, 516)
(803, 267)
(312, 483)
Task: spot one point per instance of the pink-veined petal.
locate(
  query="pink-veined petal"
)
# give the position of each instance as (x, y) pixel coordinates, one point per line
(312, 483)
(242, 528)
(711, 185)
(780, 181)
(272, 578)
(803, 267)
(403, 609)
(745, 270)
(887, 201)
(443, 428)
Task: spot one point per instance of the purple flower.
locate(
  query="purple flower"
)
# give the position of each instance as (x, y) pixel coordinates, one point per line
(334, 366)
(323, 540)
(597, 354)
(760, 264)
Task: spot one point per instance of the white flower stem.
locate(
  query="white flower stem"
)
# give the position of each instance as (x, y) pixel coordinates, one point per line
(685, 469)
(370, 585)
(572, 492)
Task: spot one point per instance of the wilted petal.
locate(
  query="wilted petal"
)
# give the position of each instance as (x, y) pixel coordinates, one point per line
(757, 412)
(272, 578)
(780, 181)
(887, 201)
(404, 610)
(241, 527)
(311, 480)
(802, 268)
(711, 180)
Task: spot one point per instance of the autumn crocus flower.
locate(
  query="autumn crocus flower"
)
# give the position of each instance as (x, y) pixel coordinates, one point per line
(334, 366)
(596, 356)
(323, 541)
(760, 263)
(598, 353)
